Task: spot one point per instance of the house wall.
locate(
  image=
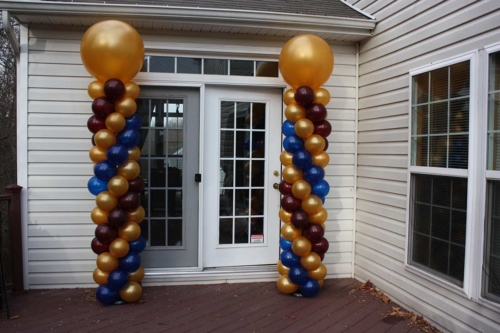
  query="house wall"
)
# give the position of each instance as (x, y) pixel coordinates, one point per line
(409, 34)
(59, 225)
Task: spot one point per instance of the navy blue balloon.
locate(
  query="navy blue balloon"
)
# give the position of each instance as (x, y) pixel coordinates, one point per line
(289, 259)
(117, 154)
(298, 275)
(138, 245)
(323, 200)
(293, 143)
(130, 262)
(302, 159)
(117, 279)
(106, 295)
(314, 174)
(134, 122)
(310, 288)
(288, 128)
(96, 185)
(129, 138)
(321, 189)
(285, 244)
(105, 170)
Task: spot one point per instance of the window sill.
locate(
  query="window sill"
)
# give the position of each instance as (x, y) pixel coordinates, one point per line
(488, 304)
(437, 280)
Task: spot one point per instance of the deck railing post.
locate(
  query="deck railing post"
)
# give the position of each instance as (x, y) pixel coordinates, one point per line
(16, 239)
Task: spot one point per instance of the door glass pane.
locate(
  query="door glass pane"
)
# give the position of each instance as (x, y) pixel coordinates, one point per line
(491, 273)
(174, 232)
(494, 112)
(158, 233)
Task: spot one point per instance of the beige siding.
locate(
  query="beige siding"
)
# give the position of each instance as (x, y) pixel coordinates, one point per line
(409, 34)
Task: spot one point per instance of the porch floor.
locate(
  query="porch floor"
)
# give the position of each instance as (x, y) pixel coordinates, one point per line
(243, 307)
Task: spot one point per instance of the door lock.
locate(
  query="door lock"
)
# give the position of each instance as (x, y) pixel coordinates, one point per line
(276, 186)
(276, 173)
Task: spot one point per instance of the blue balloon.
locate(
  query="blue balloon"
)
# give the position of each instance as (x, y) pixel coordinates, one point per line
(293, 143)
(138, 245)
(117, 154)
(105, 170)
(321, 189)
(285, 244)
(96, 185)
(323, 200)
(302, 159)
(131, 262)
(134, 122)
(289, 259)
(117, 279)
(314, 174)
(106, 295)
(310, 288)
(288, 128)
(298, 275)
(247, 144)
(129, 138)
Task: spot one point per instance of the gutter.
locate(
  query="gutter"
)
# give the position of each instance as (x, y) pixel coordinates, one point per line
(11, 35)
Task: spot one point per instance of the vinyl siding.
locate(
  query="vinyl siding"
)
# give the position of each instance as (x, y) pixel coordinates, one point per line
(409, 34)
(59, 205)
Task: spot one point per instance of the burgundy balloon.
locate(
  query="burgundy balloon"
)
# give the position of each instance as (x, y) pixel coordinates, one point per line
(290, 203)
(114, 89)
(326, 145)
(285, 188)
(320, 246)
(304, 96)
(136, 185)
(129, 201)
(95, 124)
(117, 217)
(314, 232)
(92, 140)
(321, 256)
(323, 128)
(300, 219)
(316, 113)
(99, 247)
(102, 107)
(105, 233)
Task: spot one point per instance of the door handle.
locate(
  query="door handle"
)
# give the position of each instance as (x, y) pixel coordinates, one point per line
(276, 186)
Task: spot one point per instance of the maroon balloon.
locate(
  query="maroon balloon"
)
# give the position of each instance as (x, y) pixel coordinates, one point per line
(129, 201)
(114, 89)
(321, 256)
(300, 219)
(314, 232)
(320, 246)
(326, 145)
(304, 96)
(290, 203)
(136, 185)
(117, 217)
(99, 247)
(323, 128)
(105, 233)
(316, 113)
(285, 188)
(95, 124)
(102, 107)
(92, 140)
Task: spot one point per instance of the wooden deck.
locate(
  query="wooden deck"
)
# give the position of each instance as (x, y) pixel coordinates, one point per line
(245, 307)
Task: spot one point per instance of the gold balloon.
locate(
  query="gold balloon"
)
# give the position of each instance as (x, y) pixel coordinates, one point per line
(285, 216)
(323, 226)
(130, 231)
(137, 276)
(319, 217)
(137, 215)
(322, 159)
(106, 262)
(119, 247)
(115, 122)
(100, 277)
(132, 90)
(306, 60)
(131, 292)
(134, 153)
(310, 261)
(314, 144)
(118, 186)
(289, 232)
(289, 97)
(294, 112)
(319, 273)
(312, 204)
(130, 170)
(321, 96)
(106, 201)
(285, 285)
(301, 246)
(126, 106)
(321, 283)
(99, 216)
(283, 270)
(304, 128)
(104, 139)
(291, 174)
(301, 189)
(96, 89)
(112, 49)
(97, 154)
(285, 158)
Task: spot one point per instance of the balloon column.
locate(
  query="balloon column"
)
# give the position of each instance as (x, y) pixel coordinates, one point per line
(113, 53)
(306, 62)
